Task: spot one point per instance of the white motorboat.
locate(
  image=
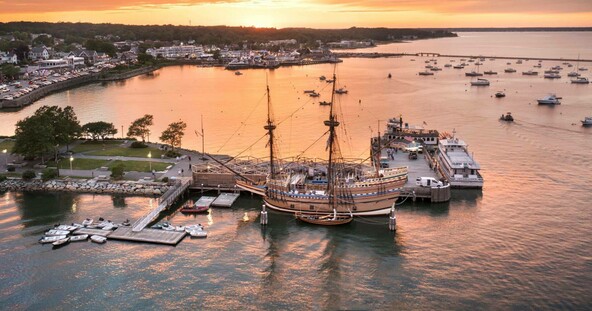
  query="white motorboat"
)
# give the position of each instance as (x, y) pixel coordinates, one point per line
(193, 228)
(458, 67)
(98, 239)
(552, 76)
(473, 74)
(549, 100)
(580, 80)
(61, 242)
(180, 228)
(51, 239)
(66, 228)
(530, 73)
(79, 238)
(55, 232)
(480, 82)
(108, 226)
(458, 165)
(87, 222)
(198, 233)
(573, 74)
(587, 121)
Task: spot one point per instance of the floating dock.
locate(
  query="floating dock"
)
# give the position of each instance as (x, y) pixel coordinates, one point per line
(155, 236)
(205, 201)
(225, 199)
(90, 231)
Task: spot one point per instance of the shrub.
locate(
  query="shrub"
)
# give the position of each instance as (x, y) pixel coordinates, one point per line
(117, 171)
(11, 168)
(28, 175)
(172, 154)
(2, 178)
(138, 144)
(49, 173)
(164, 179)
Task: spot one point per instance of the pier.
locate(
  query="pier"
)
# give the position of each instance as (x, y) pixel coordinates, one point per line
(156, 236)
(429, 54)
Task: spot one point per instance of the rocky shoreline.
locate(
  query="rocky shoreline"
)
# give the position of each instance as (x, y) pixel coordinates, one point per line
(87, 186)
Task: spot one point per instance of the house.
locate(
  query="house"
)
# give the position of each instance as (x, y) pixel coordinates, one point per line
(128, 56)
(38, 53)
(8, 58)
(89, 56)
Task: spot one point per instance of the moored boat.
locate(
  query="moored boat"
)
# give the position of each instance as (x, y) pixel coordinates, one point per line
(457, 165)
(587, 121)
(87, 222)
(426, 73)
(550, 99)
(509, 70)
(55, 232)
(98, 239)
(507, 117)
(79, 238)
(61, 242)
(500, 94)
(480, 82)
(51, 239)
(332, 219)
(580, 80)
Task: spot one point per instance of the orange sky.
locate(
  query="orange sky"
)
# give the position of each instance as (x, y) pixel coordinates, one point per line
(307, 13)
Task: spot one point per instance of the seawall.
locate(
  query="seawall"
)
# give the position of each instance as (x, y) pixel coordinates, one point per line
(87, 186)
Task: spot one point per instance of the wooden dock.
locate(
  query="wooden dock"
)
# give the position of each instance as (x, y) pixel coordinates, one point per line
(225, 199)
(90, 231)
(155, 236)
(205, 201)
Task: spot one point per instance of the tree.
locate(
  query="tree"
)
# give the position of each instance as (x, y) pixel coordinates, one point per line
(117, 171)
(99, 129)
(144, 58)
(139, 128)
(47, 127)
(43, 40)
(173, 134)
(10, 71)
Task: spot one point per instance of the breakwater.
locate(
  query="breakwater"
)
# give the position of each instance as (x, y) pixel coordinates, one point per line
(87, 186)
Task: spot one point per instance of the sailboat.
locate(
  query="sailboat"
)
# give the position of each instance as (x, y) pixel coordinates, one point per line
(338, 189)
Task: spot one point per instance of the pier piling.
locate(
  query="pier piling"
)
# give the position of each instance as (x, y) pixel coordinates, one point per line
(263, 219)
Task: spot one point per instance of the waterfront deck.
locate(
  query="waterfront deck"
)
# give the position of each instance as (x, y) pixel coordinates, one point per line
(225, 199)
(90, 231)
(155, 236)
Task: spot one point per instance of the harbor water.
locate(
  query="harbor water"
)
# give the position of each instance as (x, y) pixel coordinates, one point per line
(523, 242)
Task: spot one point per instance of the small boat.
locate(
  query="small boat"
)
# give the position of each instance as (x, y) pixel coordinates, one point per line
(61, 242)
(530, 73)
(238, 73)
(490, 72)
(168, 227)
(324, 103)
(309, 91)
(583, 69)
(448, 65)
(188, 209)
(87, 222)
(473, 74)
(551, 71)
(79, 238)
(109, 226)
(573, 74)
(480, 82)
(507, 117)
(55, 232)
(587, 121)
(126, 223)
(322, 78)
(436, 68)
(580, 80)
(341, 91)
(98, 239)
(458, 67)
(389, 76)
(65, 228)
(426, 73)
(552, 76)
(198, 234)
(509, 70)
(193, 227)
(549, 100)
(329, 81)
(51, 239)
(180, 228)
(314, 94)
(500, 94)
(325, 219)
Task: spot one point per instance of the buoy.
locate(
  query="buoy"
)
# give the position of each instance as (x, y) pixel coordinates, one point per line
(263, 218)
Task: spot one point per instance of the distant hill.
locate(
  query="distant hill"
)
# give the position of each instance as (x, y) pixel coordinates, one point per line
(218, 34)
(520, 29)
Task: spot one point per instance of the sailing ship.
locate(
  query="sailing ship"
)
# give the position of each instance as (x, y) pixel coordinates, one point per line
(339, 189)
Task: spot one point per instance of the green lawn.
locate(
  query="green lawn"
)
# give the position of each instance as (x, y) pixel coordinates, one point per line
(95, 145)
(7, 144)
(80, 164)
(129, 152)
(140, 166)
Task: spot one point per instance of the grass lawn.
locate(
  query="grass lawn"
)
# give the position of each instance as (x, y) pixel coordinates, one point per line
(7, 144)
(140, 166)
(80, 164)
(129, 152)
(90, 145)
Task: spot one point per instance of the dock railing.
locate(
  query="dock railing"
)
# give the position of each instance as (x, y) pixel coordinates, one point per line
(165, 201)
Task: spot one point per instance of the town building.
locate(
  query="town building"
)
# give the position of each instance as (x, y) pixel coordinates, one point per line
(37, 53)
(8, 58)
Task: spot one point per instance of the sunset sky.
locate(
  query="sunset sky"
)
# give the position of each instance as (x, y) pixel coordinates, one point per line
(307, 13)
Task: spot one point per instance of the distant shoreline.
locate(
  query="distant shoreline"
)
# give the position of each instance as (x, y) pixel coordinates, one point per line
(519, 29)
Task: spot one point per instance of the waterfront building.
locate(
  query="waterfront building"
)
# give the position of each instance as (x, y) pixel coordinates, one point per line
(90, 56)
(53, 64)
(38, 53)
(8, 58)
(176, 51)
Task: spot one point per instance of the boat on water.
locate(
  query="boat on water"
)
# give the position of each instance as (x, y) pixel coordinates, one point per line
(314, 94)
(552, 76)
(87, 222)
(341, 91)
(201, 206)
(61, 242)
(580, 80)
(238, 73)
(550, 99)
(500, 94)
(573, 74)
(490, 72)
(458, 67)
(457, 165)
(530, 73)
(473, 74)
(509, 70)
(332, 219)
(426, 73)
(587, 121)
(322, 78)
(448, 65)
(65, 227)
(98, 239)
(51, 239)
(324, 103)
(309, 91)
(196, 231)
(389, 76)
(507, 117)
(336, 185)
(79, 238)
(55, 232)
(480, 82)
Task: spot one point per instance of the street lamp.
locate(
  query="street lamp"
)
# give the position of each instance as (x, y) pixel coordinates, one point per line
(71, 160)
(150, 161)
(5, 158)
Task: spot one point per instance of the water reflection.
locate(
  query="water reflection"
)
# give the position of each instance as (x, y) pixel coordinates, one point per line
(44, 208)
(118, 201)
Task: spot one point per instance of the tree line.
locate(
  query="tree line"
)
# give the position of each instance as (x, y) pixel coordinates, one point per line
(77, 32)
(52, 127)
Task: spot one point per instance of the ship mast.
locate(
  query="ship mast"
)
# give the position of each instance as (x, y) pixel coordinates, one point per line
(332, 123)
(270, 127)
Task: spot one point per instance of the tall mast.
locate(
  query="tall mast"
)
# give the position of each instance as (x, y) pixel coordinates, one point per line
(203, 148)
(270, 127)
(332, 123)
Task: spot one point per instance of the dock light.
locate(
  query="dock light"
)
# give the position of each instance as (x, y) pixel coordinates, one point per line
(5, 157)
(71, 160)
(150, 161)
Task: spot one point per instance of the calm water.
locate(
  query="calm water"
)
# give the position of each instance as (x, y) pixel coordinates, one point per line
(522, 242)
